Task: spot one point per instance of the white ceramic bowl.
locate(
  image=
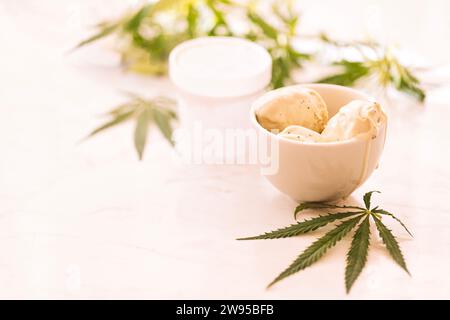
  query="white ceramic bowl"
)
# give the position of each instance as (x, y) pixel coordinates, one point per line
(323, 171)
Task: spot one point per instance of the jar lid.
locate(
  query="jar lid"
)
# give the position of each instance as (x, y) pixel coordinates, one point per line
(220, 66)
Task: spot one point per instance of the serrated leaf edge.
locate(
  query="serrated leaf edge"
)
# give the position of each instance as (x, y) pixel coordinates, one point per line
(391, 244)
(384, 212)
(355, 264)
(303, 227)
(314, 254)
(367, 198)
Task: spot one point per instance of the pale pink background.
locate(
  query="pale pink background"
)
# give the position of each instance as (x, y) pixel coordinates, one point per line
(90, 221)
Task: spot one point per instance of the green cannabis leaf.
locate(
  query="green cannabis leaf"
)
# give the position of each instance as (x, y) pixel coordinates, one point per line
(391, 243)
(303, 227)
(357, 255)
(318, 248)
(384, 212)
(359, 248)
(145, 40)
(105, 30)
(319, 205)
(278, 41)
(140, 133)
(380, 64)
(146, 36)
(144, 112)
(367, 197)
(351, 72)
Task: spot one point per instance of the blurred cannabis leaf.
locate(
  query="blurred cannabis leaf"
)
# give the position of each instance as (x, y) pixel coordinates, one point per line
(146, 37)
(359, 218)
(158, 111)
(374, 61)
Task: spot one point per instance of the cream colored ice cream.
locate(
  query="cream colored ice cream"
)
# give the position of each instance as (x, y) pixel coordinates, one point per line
(299, 133)
(292, 106)
(358, 118)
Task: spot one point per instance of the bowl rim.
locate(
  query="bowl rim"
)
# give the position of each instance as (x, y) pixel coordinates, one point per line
(353, 140)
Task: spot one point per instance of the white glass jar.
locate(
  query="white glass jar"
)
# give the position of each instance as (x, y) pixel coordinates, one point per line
(217, 79)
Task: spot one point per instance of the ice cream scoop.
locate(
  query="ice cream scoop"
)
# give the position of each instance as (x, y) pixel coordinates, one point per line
(299, 133)
(359, 118)
(325, 171)
(292, 106)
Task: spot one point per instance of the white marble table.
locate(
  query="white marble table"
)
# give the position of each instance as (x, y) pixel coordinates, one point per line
(90, 221)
